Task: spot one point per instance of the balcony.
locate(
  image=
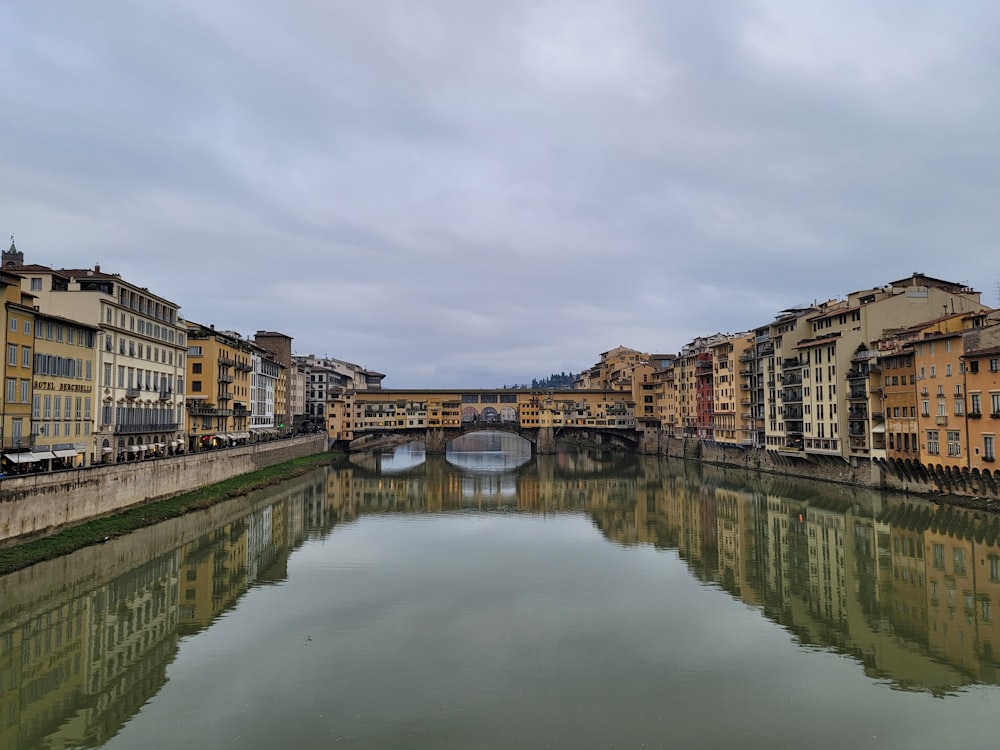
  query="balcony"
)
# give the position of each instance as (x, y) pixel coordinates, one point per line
(941, 421)
(132, 429)
(198, 408)
(225, 395)
(225, 377)
(226, 362)
(131, 393)
(243, 367)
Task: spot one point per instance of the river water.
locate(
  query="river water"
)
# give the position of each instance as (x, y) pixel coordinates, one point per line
(489, 599)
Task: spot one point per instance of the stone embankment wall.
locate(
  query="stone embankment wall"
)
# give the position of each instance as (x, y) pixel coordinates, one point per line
(36, 505)
(892, 476)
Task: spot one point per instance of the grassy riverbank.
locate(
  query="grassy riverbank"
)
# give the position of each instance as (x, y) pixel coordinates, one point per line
(101, 529)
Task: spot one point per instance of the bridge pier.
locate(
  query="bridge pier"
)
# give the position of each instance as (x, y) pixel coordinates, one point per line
(545, 445)
(435, 441)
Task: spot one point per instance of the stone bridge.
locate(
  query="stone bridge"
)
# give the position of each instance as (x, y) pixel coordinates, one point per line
(362, 420)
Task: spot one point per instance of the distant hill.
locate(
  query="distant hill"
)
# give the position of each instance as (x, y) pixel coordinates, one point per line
(555, 381)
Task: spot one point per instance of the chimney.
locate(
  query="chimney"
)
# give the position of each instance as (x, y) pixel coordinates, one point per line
(97, 268)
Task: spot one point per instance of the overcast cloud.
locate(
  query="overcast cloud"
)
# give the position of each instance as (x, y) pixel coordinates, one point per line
(474, 193)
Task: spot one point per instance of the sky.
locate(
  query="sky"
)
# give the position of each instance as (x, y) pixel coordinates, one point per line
(474, 193)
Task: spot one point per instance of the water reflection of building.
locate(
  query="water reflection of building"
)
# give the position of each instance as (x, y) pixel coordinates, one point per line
(954, 600)
(77, 661)
(819, 561)
(73, 672)
(213, 574)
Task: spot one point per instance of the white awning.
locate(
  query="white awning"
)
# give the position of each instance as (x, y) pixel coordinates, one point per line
(133, 449)
(222, 436)
(174, 443)
(106, 449)
(20, 458)
(242, 435)
(230, 436)
(879, 428)
(45, 455)
(65, 453)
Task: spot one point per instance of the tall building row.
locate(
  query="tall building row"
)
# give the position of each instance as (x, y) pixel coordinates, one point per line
(906, 372)
(100, 370)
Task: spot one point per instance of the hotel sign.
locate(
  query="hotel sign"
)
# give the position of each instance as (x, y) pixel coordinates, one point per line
(48, 385)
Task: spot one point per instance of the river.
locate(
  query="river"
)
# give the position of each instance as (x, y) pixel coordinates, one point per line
(491, 599)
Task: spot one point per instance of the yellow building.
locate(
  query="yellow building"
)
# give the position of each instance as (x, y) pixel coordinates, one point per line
(219, 367)
(942, 427)
(19, 340)
(64, 392)
(730, 389)
(614, 372)
(982, 381)
(388, 410)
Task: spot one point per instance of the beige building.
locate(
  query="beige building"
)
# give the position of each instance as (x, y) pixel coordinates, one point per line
(827, 358)
(141, 346)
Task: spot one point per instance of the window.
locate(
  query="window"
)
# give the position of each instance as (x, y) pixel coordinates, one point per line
(25, 356)
(976, 406)
(954, 443)
(196, 386)
(12, 355)
(947, 371)
(27, 328)
(196, 367)
(994, 365)
(36, 285)
(959, 406)
(925, 408)
(13, 324)
(958, 558)
(11, 390)
(974, 366)
(937, 556)
(988, 449)
(995, 403)
(933, 442)
(933, 369)
(25, 391)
